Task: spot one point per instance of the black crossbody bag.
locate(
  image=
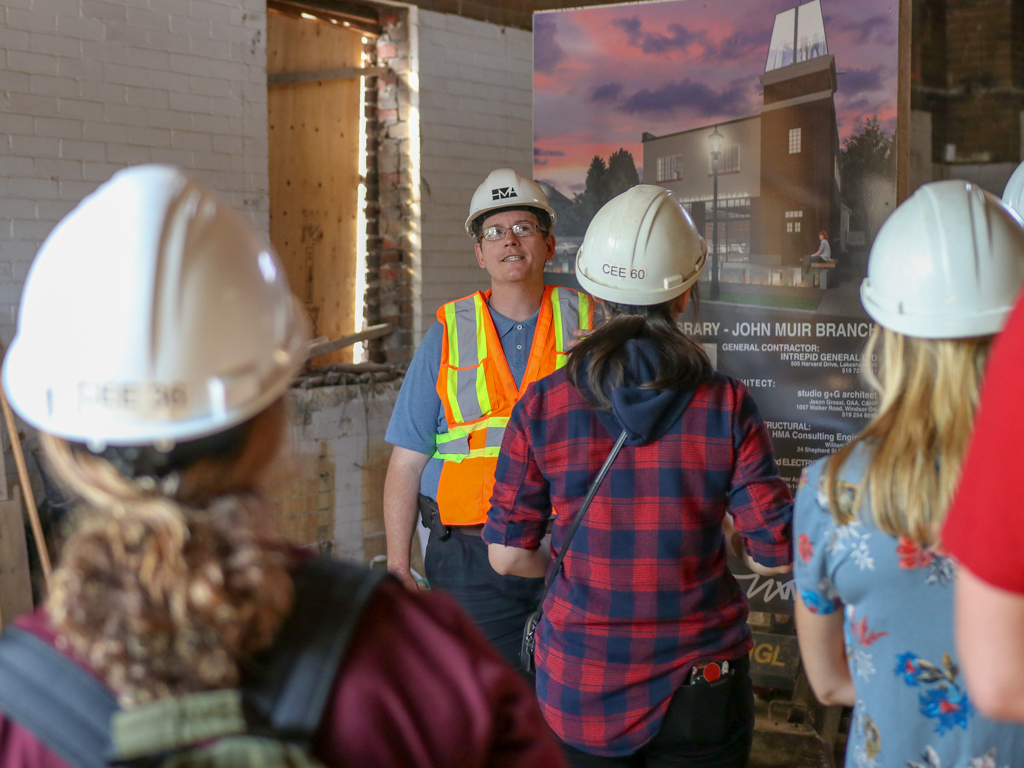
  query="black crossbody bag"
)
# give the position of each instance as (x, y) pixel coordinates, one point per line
(530, 630)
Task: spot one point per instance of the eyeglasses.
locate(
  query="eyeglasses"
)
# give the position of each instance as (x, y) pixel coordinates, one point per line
(521, 229)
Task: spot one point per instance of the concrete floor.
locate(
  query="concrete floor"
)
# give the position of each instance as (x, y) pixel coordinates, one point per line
(789, 745)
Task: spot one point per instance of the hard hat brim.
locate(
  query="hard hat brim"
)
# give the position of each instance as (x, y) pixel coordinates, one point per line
(502, 206)
(945, 325)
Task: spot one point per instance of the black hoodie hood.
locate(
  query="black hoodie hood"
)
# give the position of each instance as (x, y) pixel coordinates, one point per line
(645, 414)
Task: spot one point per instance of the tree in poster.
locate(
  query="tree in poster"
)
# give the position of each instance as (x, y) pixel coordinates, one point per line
(604, 181)
(867, 166)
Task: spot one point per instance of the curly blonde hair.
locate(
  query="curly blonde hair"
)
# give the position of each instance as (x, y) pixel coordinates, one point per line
(166, 585)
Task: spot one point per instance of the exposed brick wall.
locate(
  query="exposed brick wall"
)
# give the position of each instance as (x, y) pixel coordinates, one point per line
(327, 488)
(968, 60)
(393, 131)
(476, 106)
(88, 87)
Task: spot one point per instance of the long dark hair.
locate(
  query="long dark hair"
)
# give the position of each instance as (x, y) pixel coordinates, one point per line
(596, 365)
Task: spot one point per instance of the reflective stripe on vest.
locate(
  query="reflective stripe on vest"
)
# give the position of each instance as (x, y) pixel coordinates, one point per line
(453, 445)
(467, 388)
(568, 307)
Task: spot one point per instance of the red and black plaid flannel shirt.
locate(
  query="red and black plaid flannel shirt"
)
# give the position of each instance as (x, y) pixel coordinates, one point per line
(644, 591)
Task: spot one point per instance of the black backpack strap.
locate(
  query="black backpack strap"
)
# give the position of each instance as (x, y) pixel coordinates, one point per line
(286, 690)
(289, 684)
(64, 706)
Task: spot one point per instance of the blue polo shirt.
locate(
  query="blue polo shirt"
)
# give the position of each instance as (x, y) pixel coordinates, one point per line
(419, 414)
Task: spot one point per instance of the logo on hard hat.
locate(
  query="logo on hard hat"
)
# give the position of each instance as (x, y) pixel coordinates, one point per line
(503, 193)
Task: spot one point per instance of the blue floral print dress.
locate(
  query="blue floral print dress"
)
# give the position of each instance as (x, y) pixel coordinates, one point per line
(913, 710)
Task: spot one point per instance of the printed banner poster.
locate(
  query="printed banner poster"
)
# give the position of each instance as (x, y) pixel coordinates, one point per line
(773, 123)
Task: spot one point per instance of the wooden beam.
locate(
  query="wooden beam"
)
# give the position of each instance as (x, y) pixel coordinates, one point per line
(906, 12)
(326, 347)
(364, 19)
(4, 490)
(322, 75)
(30, 502)
(15, 582)
(363, 368)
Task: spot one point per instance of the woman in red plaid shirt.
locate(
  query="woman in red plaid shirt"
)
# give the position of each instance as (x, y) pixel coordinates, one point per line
(644, 600)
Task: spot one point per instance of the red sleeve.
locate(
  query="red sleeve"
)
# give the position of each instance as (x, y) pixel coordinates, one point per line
(421, 687)
(985, 526)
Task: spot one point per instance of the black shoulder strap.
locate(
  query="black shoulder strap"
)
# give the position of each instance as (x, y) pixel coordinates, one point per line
(289, 684)
(286, 689)
(65, 707)
(591, 493)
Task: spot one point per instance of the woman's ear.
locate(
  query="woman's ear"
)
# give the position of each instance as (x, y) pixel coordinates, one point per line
(680, 303)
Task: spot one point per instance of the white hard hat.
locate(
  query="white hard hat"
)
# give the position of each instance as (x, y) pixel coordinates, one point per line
(506, 188)
(1013, 193)
(641, 249)
(152, 313)
(947, 264)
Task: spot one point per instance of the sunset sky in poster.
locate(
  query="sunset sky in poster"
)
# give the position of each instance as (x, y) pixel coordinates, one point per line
(604, 75)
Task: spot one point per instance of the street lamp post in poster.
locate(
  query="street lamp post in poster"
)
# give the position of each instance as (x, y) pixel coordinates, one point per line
(773, 121)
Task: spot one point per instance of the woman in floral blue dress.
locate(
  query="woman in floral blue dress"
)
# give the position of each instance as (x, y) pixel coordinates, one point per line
(875, 607)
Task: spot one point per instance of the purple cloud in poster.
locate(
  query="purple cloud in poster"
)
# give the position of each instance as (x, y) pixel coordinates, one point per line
(604, 75)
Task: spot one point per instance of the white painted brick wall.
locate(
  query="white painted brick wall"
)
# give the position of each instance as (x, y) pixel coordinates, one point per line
(353, 420)
(90, 86)
(476, 113)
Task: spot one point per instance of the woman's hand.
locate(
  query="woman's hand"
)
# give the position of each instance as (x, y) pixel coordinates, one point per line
(735, 543)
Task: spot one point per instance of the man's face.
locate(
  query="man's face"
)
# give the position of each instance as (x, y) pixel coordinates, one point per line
(514, 259)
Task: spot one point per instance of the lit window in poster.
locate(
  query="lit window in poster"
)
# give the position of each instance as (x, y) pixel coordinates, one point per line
(773, 122)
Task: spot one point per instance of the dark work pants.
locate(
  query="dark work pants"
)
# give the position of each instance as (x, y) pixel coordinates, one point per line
(708, 725)
(499, 605)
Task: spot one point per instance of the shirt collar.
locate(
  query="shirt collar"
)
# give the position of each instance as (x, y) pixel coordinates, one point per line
(504, 325)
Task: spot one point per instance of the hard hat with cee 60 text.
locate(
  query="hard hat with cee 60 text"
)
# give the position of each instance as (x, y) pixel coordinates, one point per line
(507, 188)
(641, 248)
(947, 264)
(153, 313)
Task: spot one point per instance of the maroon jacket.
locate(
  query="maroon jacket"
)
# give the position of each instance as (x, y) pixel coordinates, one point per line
(420, 688)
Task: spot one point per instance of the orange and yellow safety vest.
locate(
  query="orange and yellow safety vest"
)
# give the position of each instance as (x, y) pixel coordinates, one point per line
(478, 391)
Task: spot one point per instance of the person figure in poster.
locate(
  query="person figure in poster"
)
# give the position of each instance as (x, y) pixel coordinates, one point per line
(874, 606)
(983, 530)
(821, 256)
(642, 647)
(471, 368)
(824, 252)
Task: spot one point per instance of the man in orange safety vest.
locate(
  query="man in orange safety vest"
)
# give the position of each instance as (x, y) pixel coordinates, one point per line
(469, 371)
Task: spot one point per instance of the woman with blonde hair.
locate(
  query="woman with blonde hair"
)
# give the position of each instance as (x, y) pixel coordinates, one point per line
(874, 613)
(157, 339)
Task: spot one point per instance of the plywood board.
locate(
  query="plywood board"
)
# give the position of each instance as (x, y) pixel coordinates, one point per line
(15, 583)
(314, 170)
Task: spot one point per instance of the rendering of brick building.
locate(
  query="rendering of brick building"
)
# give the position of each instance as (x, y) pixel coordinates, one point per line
(779, 170)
